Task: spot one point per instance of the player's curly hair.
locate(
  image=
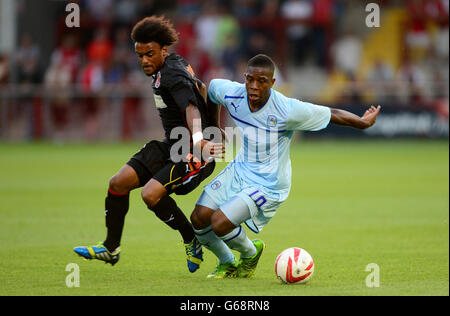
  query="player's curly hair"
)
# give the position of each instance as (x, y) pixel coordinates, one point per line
(155, 29)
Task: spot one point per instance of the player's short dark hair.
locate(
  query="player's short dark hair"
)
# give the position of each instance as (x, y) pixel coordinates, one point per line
(155, 29)
(263, 61)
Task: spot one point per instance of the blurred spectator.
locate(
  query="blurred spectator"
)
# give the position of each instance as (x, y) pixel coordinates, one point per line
(417, 37)
(189, 7)
(185, 28)
(246, 9)
(380, 80)
(122, 57)
(101, 10)
(227, 29)
(125, 12)
(270, 10)
(412, 81)
(353, 90)
(4, 69)
(92, 78)
(219, 36)
(69, 55)
(206, 27)
(298, 33)
(438, 11)
(200, 60)
(217, 70)
(240, 70)
(27, 61)
(323, 19)
(231, 53)
(347, 53)
(150, 7)
(57, 80)
(227, 42)
(101, 47)
(258, 44)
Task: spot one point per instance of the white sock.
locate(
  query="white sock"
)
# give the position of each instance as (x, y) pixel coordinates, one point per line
(238, 240)
(210, 241)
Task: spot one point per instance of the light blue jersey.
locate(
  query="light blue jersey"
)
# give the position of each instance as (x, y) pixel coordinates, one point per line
(266, 134)
(260, 175)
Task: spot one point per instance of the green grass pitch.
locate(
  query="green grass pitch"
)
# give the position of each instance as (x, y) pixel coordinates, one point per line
(352, 203)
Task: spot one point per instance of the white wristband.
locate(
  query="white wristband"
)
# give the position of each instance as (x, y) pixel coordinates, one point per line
(197, 137)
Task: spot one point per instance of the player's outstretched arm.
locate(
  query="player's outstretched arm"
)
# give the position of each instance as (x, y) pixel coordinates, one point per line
(345, 118)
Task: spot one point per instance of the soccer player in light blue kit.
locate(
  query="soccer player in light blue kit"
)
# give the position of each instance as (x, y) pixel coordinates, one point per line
(254, 185)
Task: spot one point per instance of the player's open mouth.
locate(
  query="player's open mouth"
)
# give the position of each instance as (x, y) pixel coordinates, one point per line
(253, 97)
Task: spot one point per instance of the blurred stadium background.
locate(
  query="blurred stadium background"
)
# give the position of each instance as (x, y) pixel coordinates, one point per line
(66, 84)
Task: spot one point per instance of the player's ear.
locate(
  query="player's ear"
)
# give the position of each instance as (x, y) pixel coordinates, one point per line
(164, 50)
(273, 82)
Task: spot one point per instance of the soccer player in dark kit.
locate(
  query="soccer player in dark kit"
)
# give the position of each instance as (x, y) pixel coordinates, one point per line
(180, 99)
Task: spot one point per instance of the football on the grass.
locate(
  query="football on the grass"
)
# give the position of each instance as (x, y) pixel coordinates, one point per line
(294, 266)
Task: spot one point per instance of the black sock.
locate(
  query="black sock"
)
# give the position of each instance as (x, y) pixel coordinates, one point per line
(168, 212)
(116, 207)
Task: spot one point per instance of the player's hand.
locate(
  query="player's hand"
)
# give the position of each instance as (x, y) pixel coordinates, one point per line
(210, 149)
(370, 116)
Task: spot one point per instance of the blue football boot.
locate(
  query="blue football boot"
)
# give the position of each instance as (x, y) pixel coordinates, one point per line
(194, 255)
(98, 252)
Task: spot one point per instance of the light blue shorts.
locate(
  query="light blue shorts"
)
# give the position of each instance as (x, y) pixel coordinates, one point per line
(239, 200)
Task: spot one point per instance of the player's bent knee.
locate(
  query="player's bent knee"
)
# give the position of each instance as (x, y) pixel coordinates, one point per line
(220, 224)
(195, 220)
(200, 219)
(152, 193)
(124, 181)
(150, 198)
(117, 185)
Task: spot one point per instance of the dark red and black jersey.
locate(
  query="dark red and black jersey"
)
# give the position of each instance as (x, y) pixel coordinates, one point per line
(175, 87)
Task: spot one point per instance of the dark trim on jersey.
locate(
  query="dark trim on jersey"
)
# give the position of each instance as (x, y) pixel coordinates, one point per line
(233, 97)
(247, 123)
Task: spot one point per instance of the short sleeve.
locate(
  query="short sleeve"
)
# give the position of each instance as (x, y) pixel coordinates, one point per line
(217, 90)
(306, 116)
(183, 94)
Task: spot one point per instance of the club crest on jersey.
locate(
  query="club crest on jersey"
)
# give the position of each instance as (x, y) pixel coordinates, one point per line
(158, 80)
(272, 121)
(216, 185)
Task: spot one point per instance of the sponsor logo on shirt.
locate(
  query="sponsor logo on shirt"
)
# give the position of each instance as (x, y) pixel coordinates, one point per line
(159, 102)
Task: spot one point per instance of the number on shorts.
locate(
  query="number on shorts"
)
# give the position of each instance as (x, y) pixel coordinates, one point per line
(259, 199)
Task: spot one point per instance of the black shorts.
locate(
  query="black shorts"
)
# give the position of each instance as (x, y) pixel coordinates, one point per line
(153, 161)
